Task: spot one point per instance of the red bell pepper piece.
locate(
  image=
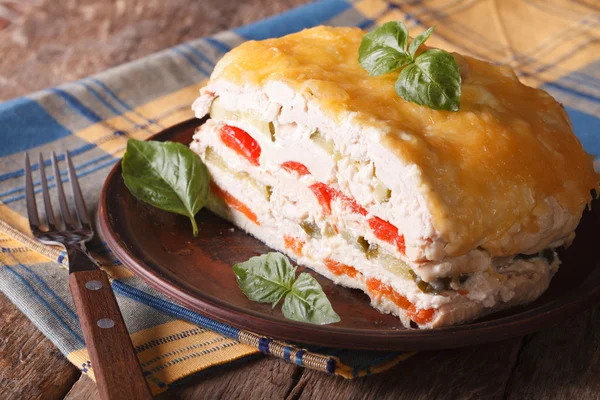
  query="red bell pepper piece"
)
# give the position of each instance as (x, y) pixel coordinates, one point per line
(293, 166)
(241, 142)
(387, 232)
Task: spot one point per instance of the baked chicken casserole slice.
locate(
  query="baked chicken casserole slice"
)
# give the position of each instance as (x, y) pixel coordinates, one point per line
(440, 217)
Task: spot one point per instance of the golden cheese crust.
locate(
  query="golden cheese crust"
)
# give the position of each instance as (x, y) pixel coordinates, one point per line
(487, 169)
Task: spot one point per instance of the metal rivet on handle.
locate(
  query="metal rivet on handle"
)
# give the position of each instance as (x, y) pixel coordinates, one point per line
(93, 285)
(106, 323)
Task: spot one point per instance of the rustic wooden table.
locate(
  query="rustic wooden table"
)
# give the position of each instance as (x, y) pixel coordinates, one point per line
(46, 42)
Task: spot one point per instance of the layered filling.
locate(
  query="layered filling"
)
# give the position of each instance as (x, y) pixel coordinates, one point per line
(323, 202)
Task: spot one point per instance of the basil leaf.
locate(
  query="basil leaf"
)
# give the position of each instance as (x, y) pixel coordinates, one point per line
(166, 175)
(266, 278)
(391, 34)
(418, 41)
(380, 60)
(433, 80)
(307, 302)
(270, 277)
(384, 49)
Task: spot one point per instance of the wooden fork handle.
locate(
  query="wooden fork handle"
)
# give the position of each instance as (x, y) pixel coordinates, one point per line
(116, 368)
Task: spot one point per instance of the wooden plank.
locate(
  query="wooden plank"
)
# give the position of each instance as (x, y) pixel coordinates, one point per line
(277, 378)
(264, 378)
(477, 372)
(474, 372)
(31, 367)
(84, 389)
(560, 363)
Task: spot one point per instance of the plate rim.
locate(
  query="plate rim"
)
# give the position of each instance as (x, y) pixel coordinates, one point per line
(518, 324)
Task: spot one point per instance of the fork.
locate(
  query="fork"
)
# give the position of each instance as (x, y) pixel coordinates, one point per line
(116, 368)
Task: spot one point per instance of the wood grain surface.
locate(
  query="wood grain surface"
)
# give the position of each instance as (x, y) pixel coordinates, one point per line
(30, 366)
(51, 42)
(84, 389)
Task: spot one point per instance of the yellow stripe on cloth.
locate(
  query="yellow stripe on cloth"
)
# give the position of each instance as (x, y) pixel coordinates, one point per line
(110, 135)
(542, 40)
(397, 15)
(174, 350)
(347, 372)
(371, 8)
(81, 359)
(166, 111)
(21, 247)
(173, 108)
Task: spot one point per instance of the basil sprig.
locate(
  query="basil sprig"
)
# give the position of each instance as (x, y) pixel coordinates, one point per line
(270, 277)
(166, 175)
(431, 79)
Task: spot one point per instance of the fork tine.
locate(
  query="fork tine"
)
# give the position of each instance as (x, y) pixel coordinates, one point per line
(79, 203)
(64, 209)
(46, 195)
(34, 220)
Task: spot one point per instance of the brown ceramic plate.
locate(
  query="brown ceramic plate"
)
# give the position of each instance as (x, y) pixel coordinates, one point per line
(196, 272)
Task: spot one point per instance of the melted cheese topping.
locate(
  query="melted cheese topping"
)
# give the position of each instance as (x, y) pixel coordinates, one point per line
(486, 169)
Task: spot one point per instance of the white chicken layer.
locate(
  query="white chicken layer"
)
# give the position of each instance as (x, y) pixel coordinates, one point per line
(287, 217)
